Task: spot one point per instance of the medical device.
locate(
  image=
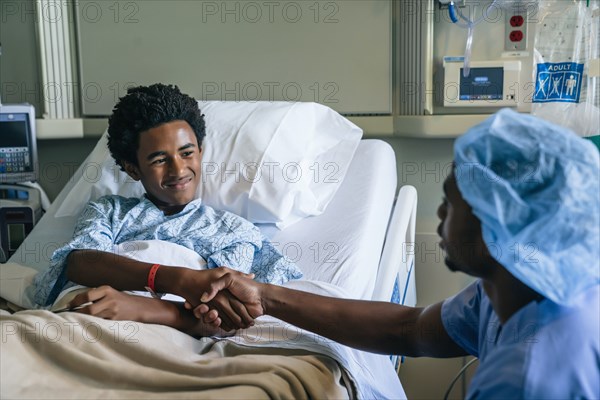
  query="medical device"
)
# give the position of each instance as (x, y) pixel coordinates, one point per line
(20, 206)
(20, 209)
(488, 84)
(18, 148)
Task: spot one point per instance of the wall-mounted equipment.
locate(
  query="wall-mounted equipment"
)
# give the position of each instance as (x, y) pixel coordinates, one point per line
(18, 146)
(20, 210)
(488, 83)
(20, 205)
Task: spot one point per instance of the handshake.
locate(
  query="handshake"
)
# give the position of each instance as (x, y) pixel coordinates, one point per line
(232, 301)
(218, 301)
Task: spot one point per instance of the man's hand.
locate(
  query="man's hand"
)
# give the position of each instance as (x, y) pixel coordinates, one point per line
(245, 290)
(223, 309)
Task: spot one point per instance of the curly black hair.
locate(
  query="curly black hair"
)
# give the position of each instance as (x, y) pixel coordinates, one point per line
(146, 107)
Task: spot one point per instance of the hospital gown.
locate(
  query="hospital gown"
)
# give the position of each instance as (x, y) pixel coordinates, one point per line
(544, 351)
(221, 238)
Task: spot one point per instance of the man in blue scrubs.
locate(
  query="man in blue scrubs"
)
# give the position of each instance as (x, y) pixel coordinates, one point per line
(521, 213)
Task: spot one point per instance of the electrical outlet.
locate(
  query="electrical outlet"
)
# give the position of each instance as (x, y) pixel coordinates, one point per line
(515, 37)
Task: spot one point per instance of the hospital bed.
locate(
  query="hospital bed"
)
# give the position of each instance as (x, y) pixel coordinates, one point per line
(359, 247)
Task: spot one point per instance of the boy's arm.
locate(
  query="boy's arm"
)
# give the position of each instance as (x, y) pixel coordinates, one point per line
(109, 303)
(94, 268)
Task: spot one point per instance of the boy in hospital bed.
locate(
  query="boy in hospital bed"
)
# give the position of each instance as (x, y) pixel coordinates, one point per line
(155, 136)
(521, 213)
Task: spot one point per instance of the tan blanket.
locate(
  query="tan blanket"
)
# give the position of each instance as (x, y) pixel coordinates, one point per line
(72, 356)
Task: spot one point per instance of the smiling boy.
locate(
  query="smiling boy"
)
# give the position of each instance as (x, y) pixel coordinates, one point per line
(155, 136)
(168, 165)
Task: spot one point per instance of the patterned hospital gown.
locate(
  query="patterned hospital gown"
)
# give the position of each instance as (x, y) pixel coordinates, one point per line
(220, 237)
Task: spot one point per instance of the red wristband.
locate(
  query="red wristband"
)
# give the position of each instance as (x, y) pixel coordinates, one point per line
(152, 276)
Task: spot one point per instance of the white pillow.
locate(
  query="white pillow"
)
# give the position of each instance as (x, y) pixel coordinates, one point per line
(269, 162)
(274, 162)
(161, 252)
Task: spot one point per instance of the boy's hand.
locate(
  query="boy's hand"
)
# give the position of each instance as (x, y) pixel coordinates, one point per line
(228, 312)
(108, 303)
(245, 290)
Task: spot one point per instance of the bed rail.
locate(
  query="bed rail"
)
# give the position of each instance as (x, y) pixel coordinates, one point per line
(398, 255)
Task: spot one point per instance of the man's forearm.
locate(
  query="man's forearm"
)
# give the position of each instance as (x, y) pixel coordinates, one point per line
(378, 327)
(369, 328)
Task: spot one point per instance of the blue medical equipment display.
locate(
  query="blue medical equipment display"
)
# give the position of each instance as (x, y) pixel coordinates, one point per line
(18, 150)
(13, 194)
(491, 83)
(482, 84)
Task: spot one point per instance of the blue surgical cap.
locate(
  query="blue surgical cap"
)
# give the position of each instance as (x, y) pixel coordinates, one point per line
(534, 187)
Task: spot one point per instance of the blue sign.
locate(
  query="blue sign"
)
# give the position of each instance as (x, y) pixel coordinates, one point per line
(558, 82)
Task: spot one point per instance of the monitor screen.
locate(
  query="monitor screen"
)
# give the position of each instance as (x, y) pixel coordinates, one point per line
(482, 84)
(18, 157)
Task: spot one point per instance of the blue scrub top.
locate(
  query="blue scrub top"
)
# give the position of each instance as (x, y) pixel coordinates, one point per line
(544, 351)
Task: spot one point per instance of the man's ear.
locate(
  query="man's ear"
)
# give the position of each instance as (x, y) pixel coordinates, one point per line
(131, 170)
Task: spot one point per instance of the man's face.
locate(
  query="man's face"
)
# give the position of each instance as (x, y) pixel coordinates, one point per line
(168, 165)
(461, 235)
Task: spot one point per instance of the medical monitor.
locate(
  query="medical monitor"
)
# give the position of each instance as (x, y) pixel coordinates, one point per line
(18, 148)
(481, 84)
(487, 83)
